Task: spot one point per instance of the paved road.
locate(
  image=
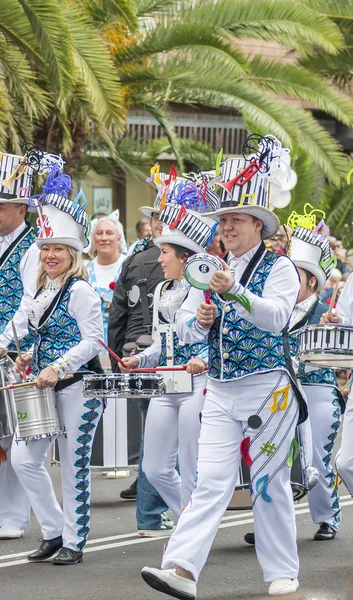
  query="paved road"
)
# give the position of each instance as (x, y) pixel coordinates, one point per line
(115, 554)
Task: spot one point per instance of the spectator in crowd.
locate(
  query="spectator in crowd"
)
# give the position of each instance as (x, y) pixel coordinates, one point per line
(104, 270)
(334, 278)
(217, 247)
(143, 230)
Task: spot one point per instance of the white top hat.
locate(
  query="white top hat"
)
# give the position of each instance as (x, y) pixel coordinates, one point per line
(60, 219)
(312, 252)
(16, 173)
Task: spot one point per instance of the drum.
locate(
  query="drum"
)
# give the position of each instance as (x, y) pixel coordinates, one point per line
(200, 268)
(241, 499)
(123, 385)
(38, 413)
(8, 419)
(326, 345)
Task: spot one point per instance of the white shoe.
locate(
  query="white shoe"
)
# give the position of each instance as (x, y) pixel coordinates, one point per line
(168, 582)
(10, 532)
(283, 586)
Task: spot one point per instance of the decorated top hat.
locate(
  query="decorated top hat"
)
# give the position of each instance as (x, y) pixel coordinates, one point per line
(16, 173)
(60, 219)
(244, 183)
(310, 247)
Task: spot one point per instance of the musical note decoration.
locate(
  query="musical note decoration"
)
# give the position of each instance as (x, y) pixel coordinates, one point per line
(332, 260)
(181, 215)
(308, 219)
(293, 453)
(172, 175)
(282, 392)
(218, 162)
(321, 230)
(154, 175)
(261, 487)
(244, 451)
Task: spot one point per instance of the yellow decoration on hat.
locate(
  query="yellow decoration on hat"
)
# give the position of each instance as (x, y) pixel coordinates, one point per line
(164, 199)
(308, 219)
(218, 162)
(154, 172)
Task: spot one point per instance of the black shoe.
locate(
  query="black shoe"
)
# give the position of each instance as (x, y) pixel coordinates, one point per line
(46, 549)
(249, 538)
(325, 532)
(130, 493)
(68, 557)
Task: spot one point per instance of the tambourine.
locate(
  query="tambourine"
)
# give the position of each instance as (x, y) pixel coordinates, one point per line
(200, 268)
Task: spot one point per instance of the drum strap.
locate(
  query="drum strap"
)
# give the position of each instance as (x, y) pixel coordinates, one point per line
(298, 392)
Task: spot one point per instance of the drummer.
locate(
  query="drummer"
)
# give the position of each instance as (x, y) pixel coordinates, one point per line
(250, 406)
(66, 322)
(19, 258)
(344, 458)
(173, 421)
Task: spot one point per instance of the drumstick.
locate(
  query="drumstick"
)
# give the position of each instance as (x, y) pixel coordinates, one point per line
(208, 296)
(17, 344)
(14, 386)
(121, 362)
(333, 298)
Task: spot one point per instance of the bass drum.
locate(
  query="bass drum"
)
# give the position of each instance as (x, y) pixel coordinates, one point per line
(241, 499)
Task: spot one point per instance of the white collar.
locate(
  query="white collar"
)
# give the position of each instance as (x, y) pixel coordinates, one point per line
(305, 305)
(246, 257)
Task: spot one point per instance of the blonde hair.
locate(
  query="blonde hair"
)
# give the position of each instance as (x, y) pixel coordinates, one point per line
(76, 269)
(117, 228)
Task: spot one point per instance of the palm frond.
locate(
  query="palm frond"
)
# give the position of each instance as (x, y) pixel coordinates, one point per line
(290, 23)
(300, 83)
(148, 8)
(102, 12)
(54, 41)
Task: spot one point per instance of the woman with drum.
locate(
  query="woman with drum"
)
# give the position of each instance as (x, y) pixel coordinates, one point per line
(311, 253)
(104, 270)
(65, 320)
(173, 421)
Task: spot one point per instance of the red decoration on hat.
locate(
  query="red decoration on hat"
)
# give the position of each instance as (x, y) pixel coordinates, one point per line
(45, 231)
(244, 451)
(181, 214)
(112, 285)
(172, 175)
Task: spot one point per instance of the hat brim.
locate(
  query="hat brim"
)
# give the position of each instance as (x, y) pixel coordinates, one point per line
(270, 221)
(314, 269)
(148, 211)
(175, 240)
(14, 201)
(69, 241)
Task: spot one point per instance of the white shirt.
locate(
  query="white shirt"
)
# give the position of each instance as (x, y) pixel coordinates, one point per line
(85, 307)
(270, 312)
(301, 309)
(28, 271)
(105, 274)
(344, 308)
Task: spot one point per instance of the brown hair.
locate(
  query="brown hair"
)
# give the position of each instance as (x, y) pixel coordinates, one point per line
(308, 276)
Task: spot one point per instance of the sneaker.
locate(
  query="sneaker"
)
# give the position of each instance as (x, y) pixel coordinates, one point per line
(130, 493)
(10, 532)
(249, 538)
(167, 520)
(168, 582)
(283, 586)
(163, 531)
(325, 532)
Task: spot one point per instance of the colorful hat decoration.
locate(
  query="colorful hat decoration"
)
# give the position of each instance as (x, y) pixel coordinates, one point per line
(16, 173)
(243, 183)
(310, 247)
(185, 221)
(60, 219)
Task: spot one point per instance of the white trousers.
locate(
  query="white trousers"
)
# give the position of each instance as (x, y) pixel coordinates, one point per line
(227, 409)
(14, 503)
(173, 429)
(344, 458)
(80, 416)
(325, 419)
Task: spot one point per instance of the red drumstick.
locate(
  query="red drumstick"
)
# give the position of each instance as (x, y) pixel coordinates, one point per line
(111, 352)
(208, 296)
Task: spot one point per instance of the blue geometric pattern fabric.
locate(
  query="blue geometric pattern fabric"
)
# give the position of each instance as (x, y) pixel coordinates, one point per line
(56, 335)
(182, 354)
(236, 347)
(11, 287)
(85, 437)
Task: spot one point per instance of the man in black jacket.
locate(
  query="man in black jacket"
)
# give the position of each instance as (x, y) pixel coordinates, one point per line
(126, 324)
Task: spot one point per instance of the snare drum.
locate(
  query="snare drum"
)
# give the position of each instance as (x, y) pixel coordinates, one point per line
(8, 419)
(326, 345)
(123, 385)
(241, 499)
(200, 268)
(38, 413)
